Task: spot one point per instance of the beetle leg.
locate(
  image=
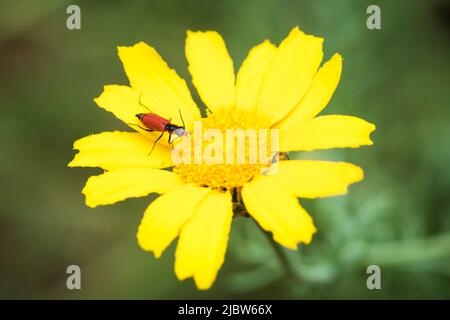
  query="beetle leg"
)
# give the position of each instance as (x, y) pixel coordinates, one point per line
(154, 144)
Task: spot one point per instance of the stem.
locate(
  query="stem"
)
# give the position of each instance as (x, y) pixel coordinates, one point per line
(279, 252)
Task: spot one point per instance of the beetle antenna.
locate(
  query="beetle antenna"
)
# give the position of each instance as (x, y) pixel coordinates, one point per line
(140, 95)
(181, 116)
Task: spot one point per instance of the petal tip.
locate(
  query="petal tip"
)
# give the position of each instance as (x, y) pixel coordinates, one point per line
(180, 273)
(202, 286)
(72, 163)
(121, 50)
(124, 48)
(190, 33)
(371, 129)
(99, 97)
(337, 56)
(146, 246)
(296, 30)
(90, 203)
(88, 200)
(290, 246)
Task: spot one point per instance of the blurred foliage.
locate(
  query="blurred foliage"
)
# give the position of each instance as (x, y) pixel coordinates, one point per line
(398, 217)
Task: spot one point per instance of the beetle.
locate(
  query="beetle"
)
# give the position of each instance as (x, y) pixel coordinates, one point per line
(153, 122)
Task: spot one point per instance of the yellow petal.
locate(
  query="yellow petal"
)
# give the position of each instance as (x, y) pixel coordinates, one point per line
(290, 75)
(327, 132)
(163, 91)
(318, 95)
(118, 185)
(165, 217)
(278, 211)
(315, 179)
(115, 150)
(251, 75)
(211, 68)
(123, 102)
(203, 240)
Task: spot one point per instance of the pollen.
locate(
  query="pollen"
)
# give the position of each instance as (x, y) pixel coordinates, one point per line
(238, 151)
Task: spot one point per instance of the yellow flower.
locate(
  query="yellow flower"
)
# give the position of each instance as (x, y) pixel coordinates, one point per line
(276, 87)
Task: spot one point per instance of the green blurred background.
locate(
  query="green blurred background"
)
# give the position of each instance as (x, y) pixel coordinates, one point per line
(397, 218)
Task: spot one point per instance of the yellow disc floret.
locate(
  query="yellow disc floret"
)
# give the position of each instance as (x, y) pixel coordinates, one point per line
(238, 145)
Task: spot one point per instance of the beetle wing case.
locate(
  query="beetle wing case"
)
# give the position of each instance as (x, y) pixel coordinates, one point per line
(154, 122)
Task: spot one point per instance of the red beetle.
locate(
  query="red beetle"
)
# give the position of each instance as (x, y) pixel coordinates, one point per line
(154, 122)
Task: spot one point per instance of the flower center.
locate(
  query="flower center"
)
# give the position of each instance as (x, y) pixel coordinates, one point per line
(230, 148)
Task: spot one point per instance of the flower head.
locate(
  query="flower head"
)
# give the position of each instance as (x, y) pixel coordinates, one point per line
(277, 89)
